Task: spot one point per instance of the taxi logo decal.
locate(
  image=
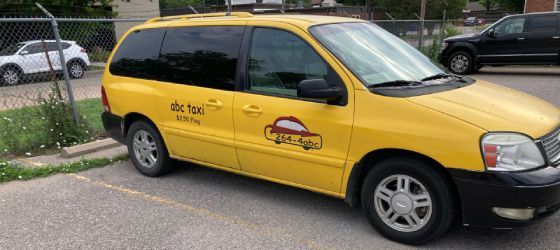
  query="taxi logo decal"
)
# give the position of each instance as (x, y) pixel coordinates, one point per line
(290, 130)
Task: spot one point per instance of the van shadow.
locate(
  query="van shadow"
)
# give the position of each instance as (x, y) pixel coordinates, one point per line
(334, 211)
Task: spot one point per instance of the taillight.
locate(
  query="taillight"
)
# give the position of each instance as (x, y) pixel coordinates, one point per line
(104, 100)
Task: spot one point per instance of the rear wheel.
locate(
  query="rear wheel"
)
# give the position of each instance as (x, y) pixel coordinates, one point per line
(76, 70)
(11, 76)
(461, 63)
(147, 149)
(408, 201)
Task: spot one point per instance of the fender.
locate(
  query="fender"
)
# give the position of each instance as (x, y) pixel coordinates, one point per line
(12, 65)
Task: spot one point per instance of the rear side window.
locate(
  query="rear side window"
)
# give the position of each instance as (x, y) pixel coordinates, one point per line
(544, 23)
(201, 56)
(137, 56)
(53, 46)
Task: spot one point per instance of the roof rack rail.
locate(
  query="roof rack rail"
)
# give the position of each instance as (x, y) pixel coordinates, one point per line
(190, 16)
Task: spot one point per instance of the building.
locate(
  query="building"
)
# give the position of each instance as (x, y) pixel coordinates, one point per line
(133, 9)
(541, 5)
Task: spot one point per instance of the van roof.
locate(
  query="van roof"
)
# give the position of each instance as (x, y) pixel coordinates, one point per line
(303, 21)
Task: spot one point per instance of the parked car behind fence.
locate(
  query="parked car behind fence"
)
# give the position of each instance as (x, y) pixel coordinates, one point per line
(21, 60)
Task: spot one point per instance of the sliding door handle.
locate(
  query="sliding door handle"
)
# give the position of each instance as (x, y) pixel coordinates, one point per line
(214, 104)
(252, 110)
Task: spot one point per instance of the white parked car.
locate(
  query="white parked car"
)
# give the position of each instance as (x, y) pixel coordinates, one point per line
(23, 59)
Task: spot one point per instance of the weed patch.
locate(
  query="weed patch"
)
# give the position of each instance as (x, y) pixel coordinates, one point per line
(9, 172)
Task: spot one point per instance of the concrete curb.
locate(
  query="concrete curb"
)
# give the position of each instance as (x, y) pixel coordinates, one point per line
(70, 152)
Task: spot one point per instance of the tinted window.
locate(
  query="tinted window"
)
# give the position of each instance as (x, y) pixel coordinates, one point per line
(510, 26)
(544, 23)
(34, 48)
(280, 60)
(52, 46)
(201, 56)
(138, 54)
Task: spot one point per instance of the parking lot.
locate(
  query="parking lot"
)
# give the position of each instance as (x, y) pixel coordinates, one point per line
(197, 207)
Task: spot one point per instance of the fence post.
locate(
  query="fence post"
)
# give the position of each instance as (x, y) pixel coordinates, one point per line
(54, 24)
(442, 29)
(421, 29)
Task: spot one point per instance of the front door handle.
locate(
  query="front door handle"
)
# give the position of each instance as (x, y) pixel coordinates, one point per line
(252, 110)
(556, 37)
(214, 104)
(520, 38)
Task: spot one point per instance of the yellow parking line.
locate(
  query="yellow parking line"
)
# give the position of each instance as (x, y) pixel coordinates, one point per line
(200, 211)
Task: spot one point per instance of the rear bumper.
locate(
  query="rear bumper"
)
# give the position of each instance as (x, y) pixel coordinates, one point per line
(113, 125)
(480, 192)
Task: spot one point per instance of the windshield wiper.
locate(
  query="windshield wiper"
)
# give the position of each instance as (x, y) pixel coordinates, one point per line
(436, 76)
(396, 83)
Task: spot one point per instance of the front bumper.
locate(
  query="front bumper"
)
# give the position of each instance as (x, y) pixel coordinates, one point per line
(113, 125)
(482, 191)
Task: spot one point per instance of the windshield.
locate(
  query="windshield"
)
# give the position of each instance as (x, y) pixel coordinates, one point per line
(373, 54)
(12, 49)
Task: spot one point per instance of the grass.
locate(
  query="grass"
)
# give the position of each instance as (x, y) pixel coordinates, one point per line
(91, 109)
(9, 172)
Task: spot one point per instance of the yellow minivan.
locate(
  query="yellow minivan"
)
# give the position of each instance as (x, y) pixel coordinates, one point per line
(336, 106)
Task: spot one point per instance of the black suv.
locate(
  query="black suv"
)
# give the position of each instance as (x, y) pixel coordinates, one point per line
(516, 39)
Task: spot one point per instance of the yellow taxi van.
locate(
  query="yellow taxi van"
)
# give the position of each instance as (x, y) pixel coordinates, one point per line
(336, 106)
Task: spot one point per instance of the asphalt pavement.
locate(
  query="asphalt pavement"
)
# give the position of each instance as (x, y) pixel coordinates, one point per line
(202, 208)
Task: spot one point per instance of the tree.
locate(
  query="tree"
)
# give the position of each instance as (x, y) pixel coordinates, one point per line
(57, 7)
(515, 6)
(489, 4)
(405, 9)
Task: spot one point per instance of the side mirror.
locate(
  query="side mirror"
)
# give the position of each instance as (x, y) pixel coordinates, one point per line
(24, 52)
(491, 33)
(318, 89)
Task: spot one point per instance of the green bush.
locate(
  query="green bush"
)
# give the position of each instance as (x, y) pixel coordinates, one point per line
(47, 125)
(450, 30)
(432, 51)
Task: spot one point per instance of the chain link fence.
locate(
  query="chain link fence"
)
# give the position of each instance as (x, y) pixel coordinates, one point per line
(409, 30)
(30, 61)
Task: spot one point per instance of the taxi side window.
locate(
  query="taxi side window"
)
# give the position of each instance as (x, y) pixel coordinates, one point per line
(279, 60)
(137, 56)
(201, 56)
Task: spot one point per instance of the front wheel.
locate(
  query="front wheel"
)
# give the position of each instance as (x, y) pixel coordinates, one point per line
(460, 63)
(11, 76)
(408, 201)
(147, 149)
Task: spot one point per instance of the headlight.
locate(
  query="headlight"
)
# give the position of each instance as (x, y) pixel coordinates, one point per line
(510, 152)
(444, 46)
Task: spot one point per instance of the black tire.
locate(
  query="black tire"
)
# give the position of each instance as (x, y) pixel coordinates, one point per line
(76, 70)
(163, 164)
(442, 200)
(10, 76)
(460, 63)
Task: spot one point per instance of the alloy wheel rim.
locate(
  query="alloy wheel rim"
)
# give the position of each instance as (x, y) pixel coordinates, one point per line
(460, 63)
(145, 149)
(76, 70)
(10, 77)
(403, 203)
